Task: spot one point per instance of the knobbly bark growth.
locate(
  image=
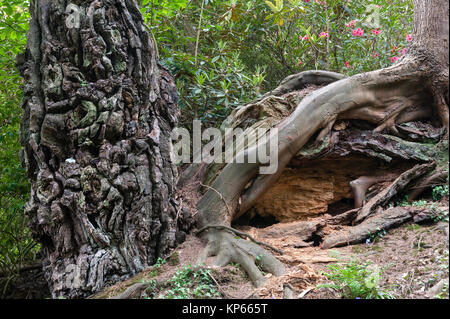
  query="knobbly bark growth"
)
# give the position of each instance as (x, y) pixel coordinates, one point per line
(391, 101)
(98, 113)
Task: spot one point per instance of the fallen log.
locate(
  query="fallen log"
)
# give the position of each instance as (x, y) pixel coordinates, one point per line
(384, 220)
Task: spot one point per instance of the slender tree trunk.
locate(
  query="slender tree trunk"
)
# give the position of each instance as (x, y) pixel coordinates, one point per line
(431, 37)
(98, 113)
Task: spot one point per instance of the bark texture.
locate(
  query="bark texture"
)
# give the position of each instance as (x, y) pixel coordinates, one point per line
(98, 113)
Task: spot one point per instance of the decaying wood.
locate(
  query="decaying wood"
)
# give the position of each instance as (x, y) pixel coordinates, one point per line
(395, 188)
(383, 220)
(346, 218)
(303, 230)
(435, 179)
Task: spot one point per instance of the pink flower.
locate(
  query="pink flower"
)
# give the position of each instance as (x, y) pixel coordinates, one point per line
(300, 63)
(324, 35)
(376, 31)
(351, 24)
(403, 51)
(347, 64)
(409, 37)
(305, 38)
(394, 49)
(358, 32)
(375, 55)
(394, 58)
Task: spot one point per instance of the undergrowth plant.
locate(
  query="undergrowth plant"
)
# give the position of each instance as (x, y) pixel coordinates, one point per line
(355, 280)
(191, 283)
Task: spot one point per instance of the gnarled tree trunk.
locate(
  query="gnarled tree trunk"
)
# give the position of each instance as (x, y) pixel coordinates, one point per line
(98, 113)
(386, 98)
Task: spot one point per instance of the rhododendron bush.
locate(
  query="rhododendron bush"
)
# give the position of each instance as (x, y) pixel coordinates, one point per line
(346, 36)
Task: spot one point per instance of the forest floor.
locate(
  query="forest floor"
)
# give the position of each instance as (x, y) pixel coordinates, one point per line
(412, 259)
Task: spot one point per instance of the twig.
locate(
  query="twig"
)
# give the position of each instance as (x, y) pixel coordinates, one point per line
(305, 292)
(420, 241)
(179, 210)
(239, 233)
(198, 31)
(226, 295)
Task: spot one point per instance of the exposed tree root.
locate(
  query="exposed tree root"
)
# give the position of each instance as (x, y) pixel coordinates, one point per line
(227, 248)
(301, 80)
(362, 184)
(134, 290)
(397, 186)
(239, 233)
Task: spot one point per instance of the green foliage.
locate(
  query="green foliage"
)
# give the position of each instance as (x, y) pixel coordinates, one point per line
(16, 245)
(156, 269)
(189, 282)
(439, 192)
(380, 233)
(228, 53)
(443, 261)
(289, 36)
(355, 280)
(17, 249)
(211, 77)
(403, 202)
(13, 27)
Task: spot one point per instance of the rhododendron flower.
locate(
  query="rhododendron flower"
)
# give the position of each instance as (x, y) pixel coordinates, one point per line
(358, 32)
(351, 24)
(300, 63)
(376, 31)
(305, 38)
(394, 58)
(347, 64)
(375, 55)
(404, 51)
(324, 35)
(409, 37)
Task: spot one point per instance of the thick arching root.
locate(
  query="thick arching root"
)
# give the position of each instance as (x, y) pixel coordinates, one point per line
(362, 184)
(227, 247)
(303, 79)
